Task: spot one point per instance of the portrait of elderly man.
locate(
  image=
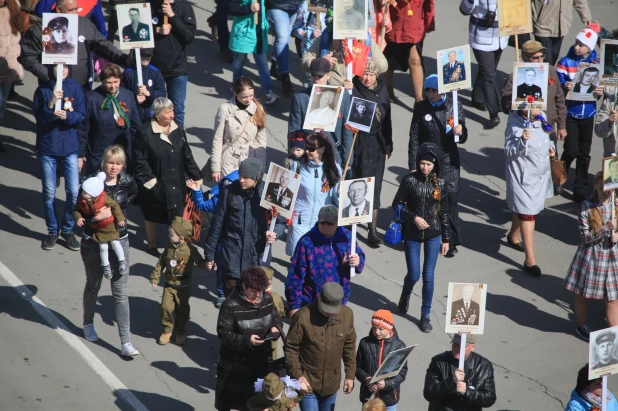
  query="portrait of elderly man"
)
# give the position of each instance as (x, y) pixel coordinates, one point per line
(61, 41)
(135, 31)
(350, 18)
(357, 191)
(454, 70)
(588, 81)
(324, 114)
(528, 88)
(465, 311)
(605, 350)
(279, 193)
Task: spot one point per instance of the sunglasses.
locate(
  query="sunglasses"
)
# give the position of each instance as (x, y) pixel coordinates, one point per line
(311, 149)
(328, 223)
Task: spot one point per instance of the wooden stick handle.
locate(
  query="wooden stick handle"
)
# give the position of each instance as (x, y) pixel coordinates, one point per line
(383, 30)
(347, 162)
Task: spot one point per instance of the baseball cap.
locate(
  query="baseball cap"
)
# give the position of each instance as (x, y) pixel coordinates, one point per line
(532, 46)
(331, 295)
(319, 67)
(328, 213)
(470, 339)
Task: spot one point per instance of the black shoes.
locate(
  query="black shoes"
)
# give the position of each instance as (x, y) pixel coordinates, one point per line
(274, 71)
(71, 241)
(153, 252)
(404, 302)
(452, 250)
(478, 106)
(286, 83)
(534, 271)
(518, 246)
(579, 198)
(425, 325)
(494, 120)
(557, 190)
(373, 238)
(49, 242)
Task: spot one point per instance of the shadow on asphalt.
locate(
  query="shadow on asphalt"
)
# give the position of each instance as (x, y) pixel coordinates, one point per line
(152, 401)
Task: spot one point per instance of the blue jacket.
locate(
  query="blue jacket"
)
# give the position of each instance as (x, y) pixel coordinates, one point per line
(577, 403)
(95, 15)
(55, 137)
(246, 36)
(210, 204)
(567, 68)
(154, 82)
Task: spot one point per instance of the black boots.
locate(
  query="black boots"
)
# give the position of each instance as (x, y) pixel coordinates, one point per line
(404, 300)
(373, 238)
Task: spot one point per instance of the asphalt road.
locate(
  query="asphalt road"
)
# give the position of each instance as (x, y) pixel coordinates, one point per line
(529, 329)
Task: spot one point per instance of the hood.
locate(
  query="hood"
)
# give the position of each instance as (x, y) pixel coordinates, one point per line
(591, 58)
(228, 179)
(429, 148)
(339, 235)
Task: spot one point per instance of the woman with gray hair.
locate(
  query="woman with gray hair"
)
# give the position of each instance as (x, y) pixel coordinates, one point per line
(162, 159)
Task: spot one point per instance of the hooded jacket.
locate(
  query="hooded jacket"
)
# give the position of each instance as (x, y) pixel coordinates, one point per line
(416, 196)
(370, 351)
(567, 68)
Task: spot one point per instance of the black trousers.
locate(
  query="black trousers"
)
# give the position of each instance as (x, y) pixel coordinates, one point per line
(485, 89)
(552, 44)
(577, 147)
(453, 218)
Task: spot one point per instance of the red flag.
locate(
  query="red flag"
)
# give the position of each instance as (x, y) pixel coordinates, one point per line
(360, 53)
(347, 53)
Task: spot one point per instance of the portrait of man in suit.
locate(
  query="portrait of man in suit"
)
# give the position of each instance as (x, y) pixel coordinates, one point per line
(588, 81)
(454, 70)
(358, 204)
(279, 193)
(135, 31)
(465, 311)
(605, 343)
(610, 173)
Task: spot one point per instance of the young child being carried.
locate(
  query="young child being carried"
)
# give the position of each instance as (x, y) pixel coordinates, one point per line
(297, 149)
(91, 199)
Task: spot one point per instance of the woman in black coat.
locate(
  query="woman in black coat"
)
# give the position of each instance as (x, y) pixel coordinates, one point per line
(162, 158)
(433, 122)
(373, 148)
(246, 317)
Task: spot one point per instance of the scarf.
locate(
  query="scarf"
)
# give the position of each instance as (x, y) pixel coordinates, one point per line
(595, 400)
(439, 102)
(546, 126)
(120, 109)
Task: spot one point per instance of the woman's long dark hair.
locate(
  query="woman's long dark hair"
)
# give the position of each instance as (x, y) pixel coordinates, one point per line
(329, 165)
(582, 379)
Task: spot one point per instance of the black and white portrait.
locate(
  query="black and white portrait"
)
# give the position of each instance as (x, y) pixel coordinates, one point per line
(356, 201)
(454, 66)
(602, 353)
(609, 63)
(531, 82)
(466, 308)
(392, 364)
(610, 173)
(361, 114)
(586, 80)
(136, 22)
(323, 109)
(350, 19)
(281, 190)
(59, 38)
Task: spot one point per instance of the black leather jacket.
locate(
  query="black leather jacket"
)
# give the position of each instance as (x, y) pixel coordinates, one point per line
(440, 386)
(415, 195)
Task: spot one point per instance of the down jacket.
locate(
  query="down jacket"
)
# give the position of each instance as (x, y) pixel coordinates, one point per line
(10, 69)
(441, 389)
(415, 195)
(369, 352)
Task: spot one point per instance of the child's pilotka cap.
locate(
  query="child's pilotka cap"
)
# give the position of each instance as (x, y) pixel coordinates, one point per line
(588, 37)
(297, 139)
(183, 228)
(94, 186)
(383, 319)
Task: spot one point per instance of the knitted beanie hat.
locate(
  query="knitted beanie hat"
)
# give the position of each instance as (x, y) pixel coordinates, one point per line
(383, 319)
(251, 168)
(297, 139)
(94, 186)
(588, 38)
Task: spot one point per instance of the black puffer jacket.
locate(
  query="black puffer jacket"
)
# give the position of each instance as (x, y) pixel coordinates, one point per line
(440, 386)
(415, 194)
(429, 125)
(367, 357)
(240, 364)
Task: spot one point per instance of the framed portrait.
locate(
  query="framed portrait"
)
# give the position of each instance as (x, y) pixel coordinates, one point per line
(350, 19)
(361, 114)
(586, 80)
(610, 173)
(392, 365)
(602, 353)
(323, 109)
(356, 201)
(281, 190)
(465, 308)
(319, 6)
(135, 26)
(514, 17)
(609, 63)
(59, 38)
(530, 85)
(454, 69)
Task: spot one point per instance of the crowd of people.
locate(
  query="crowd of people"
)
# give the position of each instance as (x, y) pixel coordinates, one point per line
(123, 143)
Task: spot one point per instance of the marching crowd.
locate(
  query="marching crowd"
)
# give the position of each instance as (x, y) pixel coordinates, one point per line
(121, 143)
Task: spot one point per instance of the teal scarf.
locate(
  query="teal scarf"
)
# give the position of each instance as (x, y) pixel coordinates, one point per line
(109, 100)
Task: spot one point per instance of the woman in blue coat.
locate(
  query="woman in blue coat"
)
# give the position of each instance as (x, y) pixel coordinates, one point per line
(587, 394)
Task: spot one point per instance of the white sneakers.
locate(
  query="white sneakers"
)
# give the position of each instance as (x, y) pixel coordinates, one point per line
(126, 349)
(89, 333)
(270, 98)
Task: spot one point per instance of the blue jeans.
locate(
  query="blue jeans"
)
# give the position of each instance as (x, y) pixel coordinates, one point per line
(392, 408)
(219, 284)
(177, 92)
(283, 22)
(261, 61)
(5, 89)
(413, 261)
(71, 184)
(312, 403)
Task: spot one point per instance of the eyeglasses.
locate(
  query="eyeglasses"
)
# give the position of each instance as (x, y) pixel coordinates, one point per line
(328, 223)
(311, 149)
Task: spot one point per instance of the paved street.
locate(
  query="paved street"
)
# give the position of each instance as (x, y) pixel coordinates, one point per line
(529, 327)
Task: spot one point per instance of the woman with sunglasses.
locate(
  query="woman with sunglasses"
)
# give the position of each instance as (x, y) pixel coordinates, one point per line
(320, 176)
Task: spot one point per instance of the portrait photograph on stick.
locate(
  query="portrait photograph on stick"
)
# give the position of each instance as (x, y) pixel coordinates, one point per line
(530, 84)
(609, 63)
(602, 353)
(610, 173)
(465, 308)
(281, 189)
(356, 201)
(350, 19)
(361, 114)
(392, 364)
(135, 21)
(59, 38)
(514, 17)
(586, 80)
(454, 72)
(323, 108)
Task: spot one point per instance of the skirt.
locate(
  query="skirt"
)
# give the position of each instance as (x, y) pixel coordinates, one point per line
(158, 213)
(397, 55)
(594, 272)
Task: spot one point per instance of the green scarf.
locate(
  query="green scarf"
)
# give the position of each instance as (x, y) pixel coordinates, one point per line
(109, 100)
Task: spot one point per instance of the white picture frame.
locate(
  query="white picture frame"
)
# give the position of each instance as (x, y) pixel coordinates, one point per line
(140, 36)
(582, 86)
(609, 63)
(530, 79)
(360, 190)
(460, 319)
(457, 74)
(610, 168)
(321, 115)
(274, 195)
(60, 35)
(361, 114)
(350, 23)
(392, 364)
(602, 353)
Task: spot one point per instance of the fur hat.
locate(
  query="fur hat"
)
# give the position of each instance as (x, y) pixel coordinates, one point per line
(183, 228)
(588, 38)
(94, 186)
(383, 319)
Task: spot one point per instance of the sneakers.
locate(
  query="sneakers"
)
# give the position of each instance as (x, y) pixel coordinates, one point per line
(123, 267)
(219, 302)
(107, 271)
(404, 302)
(128, 350)
(89, 333)
(270, 98)
(164, 339)
(426, 324)
(72, 243)
(181, 339)
(583, 332)
(49, 242)
(286, 83)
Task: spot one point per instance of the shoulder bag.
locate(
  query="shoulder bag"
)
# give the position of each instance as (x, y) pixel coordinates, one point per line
(393, 234)
(207, 169)
(558, 171)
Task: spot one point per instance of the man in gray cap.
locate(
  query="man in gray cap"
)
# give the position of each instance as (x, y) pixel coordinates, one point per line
(605, 349)
(239, 230)
(322, 333)
(448, 387)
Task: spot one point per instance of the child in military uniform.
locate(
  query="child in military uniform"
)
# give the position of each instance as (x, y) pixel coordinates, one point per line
(177, 259)
(276, 394)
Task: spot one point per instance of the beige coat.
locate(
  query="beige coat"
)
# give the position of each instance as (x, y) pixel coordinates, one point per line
(228, 124)
(10, 69)
(545, 16)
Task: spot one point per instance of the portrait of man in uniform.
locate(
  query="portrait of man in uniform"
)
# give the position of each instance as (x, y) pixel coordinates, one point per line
(135, 31)
(528, 87)
(281, 190)
(350, 18)
(605, 343)
(61, 38)
(465, 310)
(279, 193)
(454, 70)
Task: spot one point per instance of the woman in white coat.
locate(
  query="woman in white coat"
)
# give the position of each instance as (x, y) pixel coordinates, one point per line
(528, 178)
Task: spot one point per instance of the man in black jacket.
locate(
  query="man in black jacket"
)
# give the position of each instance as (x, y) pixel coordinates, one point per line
(239, 230)
(170, 52)
(449, 388)
(89, 41)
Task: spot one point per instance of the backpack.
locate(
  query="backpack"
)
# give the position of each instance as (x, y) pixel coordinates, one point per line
(193, 214)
